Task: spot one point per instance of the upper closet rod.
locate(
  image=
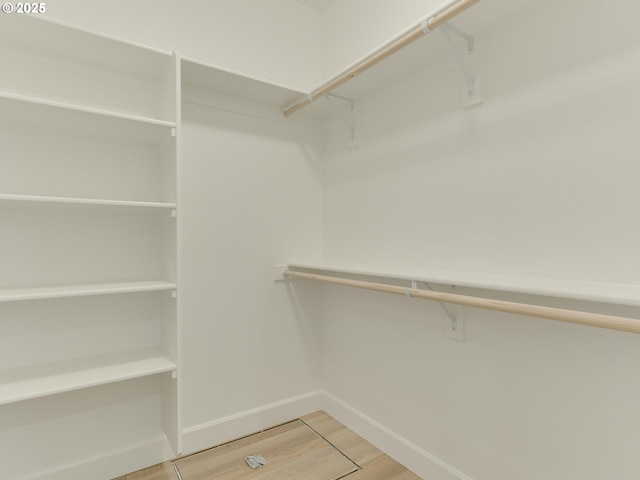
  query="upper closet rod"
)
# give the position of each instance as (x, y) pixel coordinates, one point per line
(572, 316)
(410, 36)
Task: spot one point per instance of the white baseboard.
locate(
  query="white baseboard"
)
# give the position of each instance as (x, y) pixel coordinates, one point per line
(107, 465)
(415, 458)
(134, 457)
(418, 460)
(244, 423)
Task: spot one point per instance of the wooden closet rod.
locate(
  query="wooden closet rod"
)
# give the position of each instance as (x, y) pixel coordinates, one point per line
(413, 34)
(622, 324)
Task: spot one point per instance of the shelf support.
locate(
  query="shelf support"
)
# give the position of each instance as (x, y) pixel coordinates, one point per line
(278, 273)
(455, 326)
(471, 94)
(349, 119)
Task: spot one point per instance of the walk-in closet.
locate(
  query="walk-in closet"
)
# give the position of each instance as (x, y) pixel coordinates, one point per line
(399, 236)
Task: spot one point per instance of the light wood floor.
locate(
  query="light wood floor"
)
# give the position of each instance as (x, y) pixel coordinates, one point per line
(363, 462)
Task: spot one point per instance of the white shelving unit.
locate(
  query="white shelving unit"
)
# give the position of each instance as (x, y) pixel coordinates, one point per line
(88, 205)
(89, 211)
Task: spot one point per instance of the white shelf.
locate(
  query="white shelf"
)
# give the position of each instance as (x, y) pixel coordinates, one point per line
(210, 77)
(62, 291)
(84, 109)
(33, 114)
(53, 39)
(31, 382)
(614, 293)
(83, 201)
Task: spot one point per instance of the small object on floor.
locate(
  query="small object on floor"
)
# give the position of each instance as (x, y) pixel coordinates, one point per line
(255, 461)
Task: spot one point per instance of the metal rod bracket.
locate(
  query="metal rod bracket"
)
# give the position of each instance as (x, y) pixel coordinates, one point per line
(349, 119)
(454, 326)
(471, 95)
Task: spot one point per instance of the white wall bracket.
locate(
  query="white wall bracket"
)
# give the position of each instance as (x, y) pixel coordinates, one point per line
(471, 41)
(472, 88)
(454, 325)
(278, 273)
(349, 119)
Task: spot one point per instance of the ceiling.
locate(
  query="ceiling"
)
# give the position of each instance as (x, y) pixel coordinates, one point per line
(319, 5)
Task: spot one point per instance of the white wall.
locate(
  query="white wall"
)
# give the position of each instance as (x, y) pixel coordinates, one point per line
(535, 181)
(541, 180)
(278, 41)
(250, 197)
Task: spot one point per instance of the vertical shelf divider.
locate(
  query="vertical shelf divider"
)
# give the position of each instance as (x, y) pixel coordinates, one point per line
(171, 402)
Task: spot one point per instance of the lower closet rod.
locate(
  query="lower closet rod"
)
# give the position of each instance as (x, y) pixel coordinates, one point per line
(572, 316)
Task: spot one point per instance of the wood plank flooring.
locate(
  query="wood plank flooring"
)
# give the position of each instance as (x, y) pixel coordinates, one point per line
(314, 447)
(161, 471)
(292, 450)
(374, 464)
